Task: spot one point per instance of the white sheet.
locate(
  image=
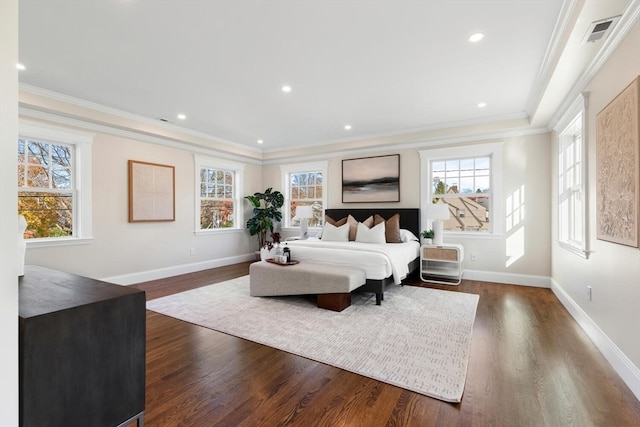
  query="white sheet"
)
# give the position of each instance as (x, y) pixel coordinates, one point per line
(377, 260)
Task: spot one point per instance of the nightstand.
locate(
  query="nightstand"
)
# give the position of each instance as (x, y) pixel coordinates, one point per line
(441, 263)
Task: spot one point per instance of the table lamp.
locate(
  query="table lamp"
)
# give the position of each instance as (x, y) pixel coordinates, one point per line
(437, 212)
(303, 213)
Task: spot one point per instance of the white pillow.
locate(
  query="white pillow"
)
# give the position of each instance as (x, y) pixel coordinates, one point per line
(407, 236)
(374, 234)
(331, 233)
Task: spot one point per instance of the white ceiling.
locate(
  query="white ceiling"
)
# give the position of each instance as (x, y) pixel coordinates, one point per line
(383, 67)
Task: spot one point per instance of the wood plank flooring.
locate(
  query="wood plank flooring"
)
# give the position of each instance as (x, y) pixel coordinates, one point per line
(530, 365)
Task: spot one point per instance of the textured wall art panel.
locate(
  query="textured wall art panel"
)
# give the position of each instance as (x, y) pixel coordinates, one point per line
(617, 164)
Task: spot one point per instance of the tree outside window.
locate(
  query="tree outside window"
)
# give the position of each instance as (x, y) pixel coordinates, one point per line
(46, 188)
(216, 198)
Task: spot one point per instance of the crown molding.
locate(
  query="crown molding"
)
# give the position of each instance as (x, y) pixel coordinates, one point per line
(624, 25)
(424, 143)
(405, 132)
(551, 55)
(68, 121)
(78, 102)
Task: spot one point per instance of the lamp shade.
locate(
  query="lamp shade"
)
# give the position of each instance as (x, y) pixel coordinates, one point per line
(438, 211)
(304, 212)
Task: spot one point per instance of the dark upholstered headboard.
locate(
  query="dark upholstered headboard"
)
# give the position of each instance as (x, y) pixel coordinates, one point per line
(409, 218)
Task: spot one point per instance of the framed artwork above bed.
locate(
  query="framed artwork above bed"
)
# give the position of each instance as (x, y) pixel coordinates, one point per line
(371, 179)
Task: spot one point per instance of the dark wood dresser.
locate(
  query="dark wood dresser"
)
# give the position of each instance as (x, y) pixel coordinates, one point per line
(82, 351)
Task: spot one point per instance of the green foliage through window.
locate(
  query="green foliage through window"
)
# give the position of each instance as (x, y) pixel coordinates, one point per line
(216, 198)
(45, 188)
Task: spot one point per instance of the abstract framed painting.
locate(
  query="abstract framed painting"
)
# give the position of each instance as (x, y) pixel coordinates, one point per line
(371, 179)
(617, 168)
(151, 192)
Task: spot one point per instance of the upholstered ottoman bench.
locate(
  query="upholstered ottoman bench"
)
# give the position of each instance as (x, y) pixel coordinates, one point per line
(332, 283)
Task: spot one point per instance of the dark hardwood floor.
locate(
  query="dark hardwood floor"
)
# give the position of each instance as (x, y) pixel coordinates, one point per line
(530, 365)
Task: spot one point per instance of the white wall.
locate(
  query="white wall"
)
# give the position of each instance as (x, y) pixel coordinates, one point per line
(612, 270)
(521, 255)
(8, 217)
(125, 252)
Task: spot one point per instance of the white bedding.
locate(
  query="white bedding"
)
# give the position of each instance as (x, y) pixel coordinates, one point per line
(377, 260)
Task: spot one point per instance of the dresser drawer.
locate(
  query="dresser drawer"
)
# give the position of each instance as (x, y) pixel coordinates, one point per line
(443, 254)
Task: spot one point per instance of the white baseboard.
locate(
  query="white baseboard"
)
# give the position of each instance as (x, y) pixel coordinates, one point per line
(629, 373)
(507, 278)
(161, 273)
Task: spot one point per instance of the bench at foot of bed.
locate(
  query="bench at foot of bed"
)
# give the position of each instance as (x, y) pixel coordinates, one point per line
(332, 283)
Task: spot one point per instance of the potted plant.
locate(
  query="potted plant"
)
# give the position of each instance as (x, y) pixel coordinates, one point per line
(428, 237)
(266, 211)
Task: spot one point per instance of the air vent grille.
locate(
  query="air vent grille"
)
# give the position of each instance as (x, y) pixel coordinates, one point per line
(599, 30)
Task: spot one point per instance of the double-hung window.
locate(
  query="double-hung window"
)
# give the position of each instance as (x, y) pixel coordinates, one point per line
(465, 180)
(54, 184)
(572, 206)
(304, 185)
(218, 189)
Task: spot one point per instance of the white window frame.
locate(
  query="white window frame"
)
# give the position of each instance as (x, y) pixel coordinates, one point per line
(492, 150)
(573, 123)
(286, 171)
(81, 174)
(238, 182)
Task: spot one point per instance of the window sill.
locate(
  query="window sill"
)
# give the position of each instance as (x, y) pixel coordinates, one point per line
(65, 241)
(472, 235)
(297, 229)
(581, 252)
(218, 231)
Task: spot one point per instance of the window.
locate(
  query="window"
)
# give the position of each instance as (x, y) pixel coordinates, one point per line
(572, 222)
(53, 196)
(45, 179)
(466, 180)
(218, 195)
(305, 185)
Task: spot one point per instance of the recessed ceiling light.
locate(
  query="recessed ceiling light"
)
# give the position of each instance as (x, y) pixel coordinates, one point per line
(286, 89)
(21, 67)
(347, 127)
(482, 104)
(181, 116)
(475, 38)
(260, 141)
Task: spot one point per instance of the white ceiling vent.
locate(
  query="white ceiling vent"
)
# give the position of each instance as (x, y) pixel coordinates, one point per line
(599, 30)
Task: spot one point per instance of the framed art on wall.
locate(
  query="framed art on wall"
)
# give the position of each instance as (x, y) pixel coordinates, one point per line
(617, 168)
(151, 192)
(371, 179)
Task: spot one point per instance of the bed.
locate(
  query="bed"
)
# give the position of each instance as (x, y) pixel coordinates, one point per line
(384, 264)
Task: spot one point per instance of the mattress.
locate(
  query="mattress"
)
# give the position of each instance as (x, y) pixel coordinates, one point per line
(379, 261)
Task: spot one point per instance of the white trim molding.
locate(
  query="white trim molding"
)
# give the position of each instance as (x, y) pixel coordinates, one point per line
(492, 149)
(238, 189)
(161, 273)
(572, 123)
(629, 373)
(285, 171)
(507, 278)
(83, 162)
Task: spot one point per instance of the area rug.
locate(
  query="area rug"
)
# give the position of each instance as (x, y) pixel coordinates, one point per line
(418, 339)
